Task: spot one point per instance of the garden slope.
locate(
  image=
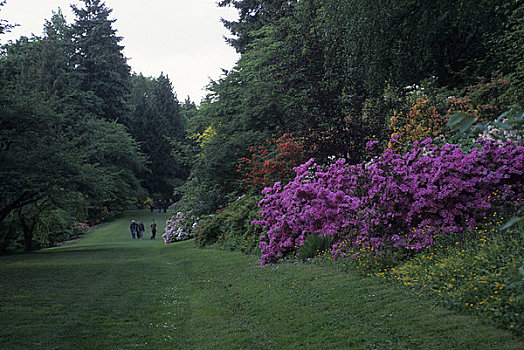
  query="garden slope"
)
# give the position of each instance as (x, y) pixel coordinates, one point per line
(110, 292)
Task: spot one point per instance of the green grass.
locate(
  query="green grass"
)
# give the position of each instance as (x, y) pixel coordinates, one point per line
(110, 292)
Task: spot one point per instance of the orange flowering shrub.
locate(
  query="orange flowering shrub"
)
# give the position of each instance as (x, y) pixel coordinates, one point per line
(420, 120)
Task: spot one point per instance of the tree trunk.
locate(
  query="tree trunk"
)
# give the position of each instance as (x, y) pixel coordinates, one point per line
(28, 235)
(23, 200)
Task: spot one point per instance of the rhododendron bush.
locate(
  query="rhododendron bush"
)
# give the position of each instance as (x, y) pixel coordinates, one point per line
(397, 202)
(271, 163)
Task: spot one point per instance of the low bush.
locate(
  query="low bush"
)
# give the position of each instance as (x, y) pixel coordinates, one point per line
(314, 245)
(57, 225)
(272, 162)
(231, 227)
(178, 228)
(209, 231)
(484, 275)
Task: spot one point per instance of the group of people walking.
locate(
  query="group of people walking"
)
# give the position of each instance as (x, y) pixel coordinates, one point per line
(137, 229)
(161, 204)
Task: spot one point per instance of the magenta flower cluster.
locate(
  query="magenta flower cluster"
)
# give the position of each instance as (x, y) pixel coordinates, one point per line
(396, 202)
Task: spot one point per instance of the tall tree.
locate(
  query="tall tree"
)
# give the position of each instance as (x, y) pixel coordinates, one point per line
(39, 158)
(99, 58)
(156, 122)
(510, 48)
(52, 148)
(253, 15)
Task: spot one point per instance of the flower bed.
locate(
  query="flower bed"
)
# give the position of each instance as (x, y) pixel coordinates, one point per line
(398, 202)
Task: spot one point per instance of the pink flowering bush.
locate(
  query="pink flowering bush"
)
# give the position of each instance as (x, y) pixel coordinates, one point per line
(80, 228)
(396, 203)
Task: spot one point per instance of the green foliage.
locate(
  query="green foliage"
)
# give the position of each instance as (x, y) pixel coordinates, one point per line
(314, 245)
(99, 61)
(55, 225)
(40, 224)
(319, 69)
(209, 232)
(231, 227)
(482, 275)
(11, 233)
(156, 122)
(213, 173)
(57, 155)
(39, 157)
(510, 48)
(253, 15)
(508, 126)
(334, 72)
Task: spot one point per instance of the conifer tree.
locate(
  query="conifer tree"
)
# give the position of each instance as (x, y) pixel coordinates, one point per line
(99, 58)
(156, 122)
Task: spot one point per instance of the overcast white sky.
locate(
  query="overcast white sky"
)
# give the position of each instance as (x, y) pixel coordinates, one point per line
(182, 38)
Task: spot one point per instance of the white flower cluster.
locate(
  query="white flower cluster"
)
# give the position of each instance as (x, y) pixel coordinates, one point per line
(493, 132)
(175, 230)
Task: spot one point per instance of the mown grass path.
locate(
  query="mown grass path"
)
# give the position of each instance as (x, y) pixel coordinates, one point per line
(110, 292)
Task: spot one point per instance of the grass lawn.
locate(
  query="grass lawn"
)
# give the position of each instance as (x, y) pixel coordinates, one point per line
(108, 291)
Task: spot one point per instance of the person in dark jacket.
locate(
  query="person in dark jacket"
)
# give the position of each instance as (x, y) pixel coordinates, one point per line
(141, 230)
(153, 229)
(133, 227)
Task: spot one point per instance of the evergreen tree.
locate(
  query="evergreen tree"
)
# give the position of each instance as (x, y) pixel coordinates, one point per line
(253, 15)
(189, 110)
(156, 122)
(99, 59)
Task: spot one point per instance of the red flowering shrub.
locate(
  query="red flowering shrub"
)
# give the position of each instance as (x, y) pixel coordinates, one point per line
(483, 100)
(271, 163)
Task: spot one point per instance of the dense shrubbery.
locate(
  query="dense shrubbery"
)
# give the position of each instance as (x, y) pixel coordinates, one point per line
(314, 246)
(329, 89)
(419, 120)
(231, 228)
(484, 100)
(273, 162)
(429, 217)
(51, 228)
(398, 202)
(484, 274)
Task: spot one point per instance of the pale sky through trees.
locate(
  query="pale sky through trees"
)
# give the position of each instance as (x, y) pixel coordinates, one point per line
(182, 38)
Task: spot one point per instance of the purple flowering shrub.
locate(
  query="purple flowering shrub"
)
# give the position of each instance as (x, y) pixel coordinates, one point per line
(397, 202)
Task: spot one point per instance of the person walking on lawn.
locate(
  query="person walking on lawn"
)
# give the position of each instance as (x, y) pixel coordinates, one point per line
(153, 229)
(141, 230)
(133, 227)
